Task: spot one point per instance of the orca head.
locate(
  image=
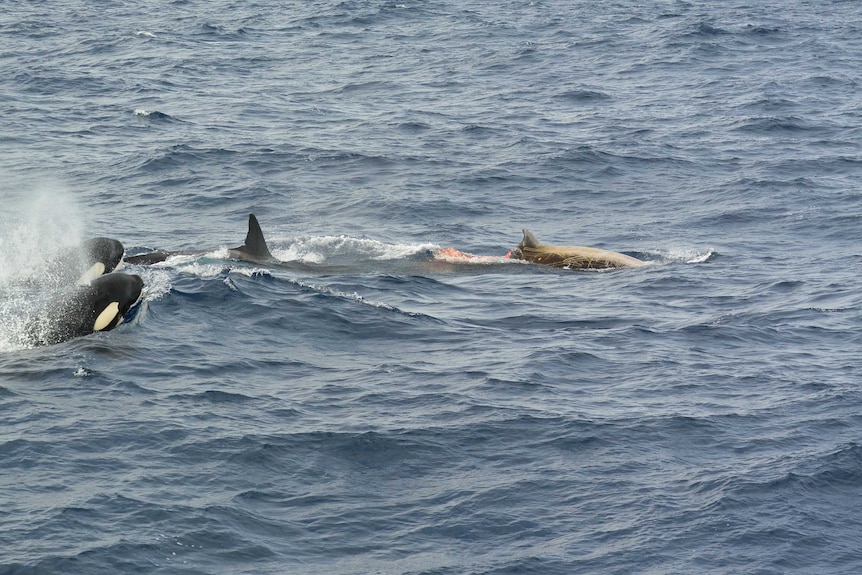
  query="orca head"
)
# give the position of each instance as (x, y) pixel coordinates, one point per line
(254, 249)
(101, 256)
(108, 299)
(76, 311)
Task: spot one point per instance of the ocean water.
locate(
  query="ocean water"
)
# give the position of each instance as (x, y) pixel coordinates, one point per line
(364, 410)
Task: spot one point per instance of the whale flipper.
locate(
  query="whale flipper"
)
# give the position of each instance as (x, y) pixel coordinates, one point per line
(254, 249)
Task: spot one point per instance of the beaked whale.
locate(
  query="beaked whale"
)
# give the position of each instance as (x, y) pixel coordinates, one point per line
(570, 257)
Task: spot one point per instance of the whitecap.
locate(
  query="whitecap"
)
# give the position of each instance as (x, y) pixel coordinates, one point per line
(682, 254)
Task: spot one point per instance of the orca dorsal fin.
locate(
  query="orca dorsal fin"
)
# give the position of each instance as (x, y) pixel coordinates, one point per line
(254, 242)
(254, 249)
(530, 240)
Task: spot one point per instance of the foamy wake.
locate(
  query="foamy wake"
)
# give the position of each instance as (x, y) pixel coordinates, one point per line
(683, 255)
(335, 249)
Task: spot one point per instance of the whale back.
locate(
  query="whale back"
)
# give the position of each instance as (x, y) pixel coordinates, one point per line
(570, 257)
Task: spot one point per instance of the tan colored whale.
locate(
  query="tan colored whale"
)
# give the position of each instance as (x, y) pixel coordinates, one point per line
(570, 257)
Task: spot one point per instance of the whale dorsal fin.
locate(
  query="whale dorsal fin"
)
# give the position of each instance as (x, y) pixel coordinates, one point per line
(530, 240)
(254, 241)
(254, 247)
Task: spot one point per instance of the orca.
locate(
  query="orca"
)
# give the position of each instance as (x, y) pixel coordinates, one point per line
(570, 257)
(101, 305)
(102, 256)
(83, 263)
(253, 250)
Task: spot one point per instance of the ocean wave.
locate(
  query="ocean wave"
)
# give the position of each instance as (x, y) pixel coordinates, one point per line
(360, 407)
(154, 115)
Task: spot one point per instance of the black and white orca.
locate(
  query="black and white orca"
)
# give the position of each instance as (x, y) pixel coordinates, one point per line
(83, 263)
(102, 256)
(101, 305)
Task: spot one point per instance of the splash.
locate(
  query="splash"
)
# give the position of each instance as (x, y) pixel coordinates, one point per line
(680, 254)
(700, 258)
(34, 232)
(336, 249)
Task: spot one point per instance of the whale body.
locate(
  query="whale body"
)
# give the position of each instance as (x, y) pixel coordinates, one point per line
(570, 257)
(81, 310)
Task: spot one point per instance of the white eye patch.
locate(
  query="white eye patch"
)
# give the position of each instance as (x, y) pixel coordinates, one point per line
(96, 270)
(107, 316)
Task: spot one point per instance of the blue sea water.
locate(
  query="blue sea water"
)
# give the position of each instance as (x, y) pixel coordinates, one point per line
(366, 410)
